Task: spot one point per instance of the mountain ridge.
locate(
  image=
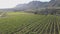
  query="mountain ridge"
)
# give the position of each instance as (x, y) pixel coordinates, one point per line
(31, 5)
(34, 5)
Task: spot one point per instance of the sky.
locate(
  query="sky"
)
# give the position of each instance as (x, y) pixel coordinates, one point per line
(13, 3)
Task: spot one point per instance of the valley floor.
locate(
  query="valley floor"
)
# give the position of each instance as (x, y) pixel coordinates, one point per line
(26, 23)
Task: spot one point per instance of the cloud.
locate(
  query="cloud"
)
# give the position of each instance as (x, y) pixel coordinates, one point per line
(13, 3)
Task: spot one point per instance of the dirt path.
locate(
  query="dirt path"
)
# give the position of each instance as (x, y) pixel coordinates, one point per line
(2, 14)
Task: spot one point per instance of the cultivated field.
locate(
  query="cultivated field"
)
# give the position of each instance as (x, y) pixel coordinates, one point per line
(26, 23)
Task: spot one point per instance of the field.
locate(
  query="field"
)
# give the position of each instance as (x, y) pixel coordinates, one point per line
(26, 23)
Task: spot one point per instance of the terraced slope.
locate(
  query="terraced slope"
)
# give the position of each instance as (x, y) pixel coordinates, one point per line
(44, 25)
(25, 23)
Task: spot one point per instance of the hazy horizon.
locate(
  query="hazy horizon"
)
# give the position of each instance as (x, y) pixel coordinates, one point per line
(13, 3)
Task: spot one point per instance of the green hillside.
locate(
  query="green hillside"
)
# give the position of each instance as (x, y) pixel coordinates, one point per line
(26, 23)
